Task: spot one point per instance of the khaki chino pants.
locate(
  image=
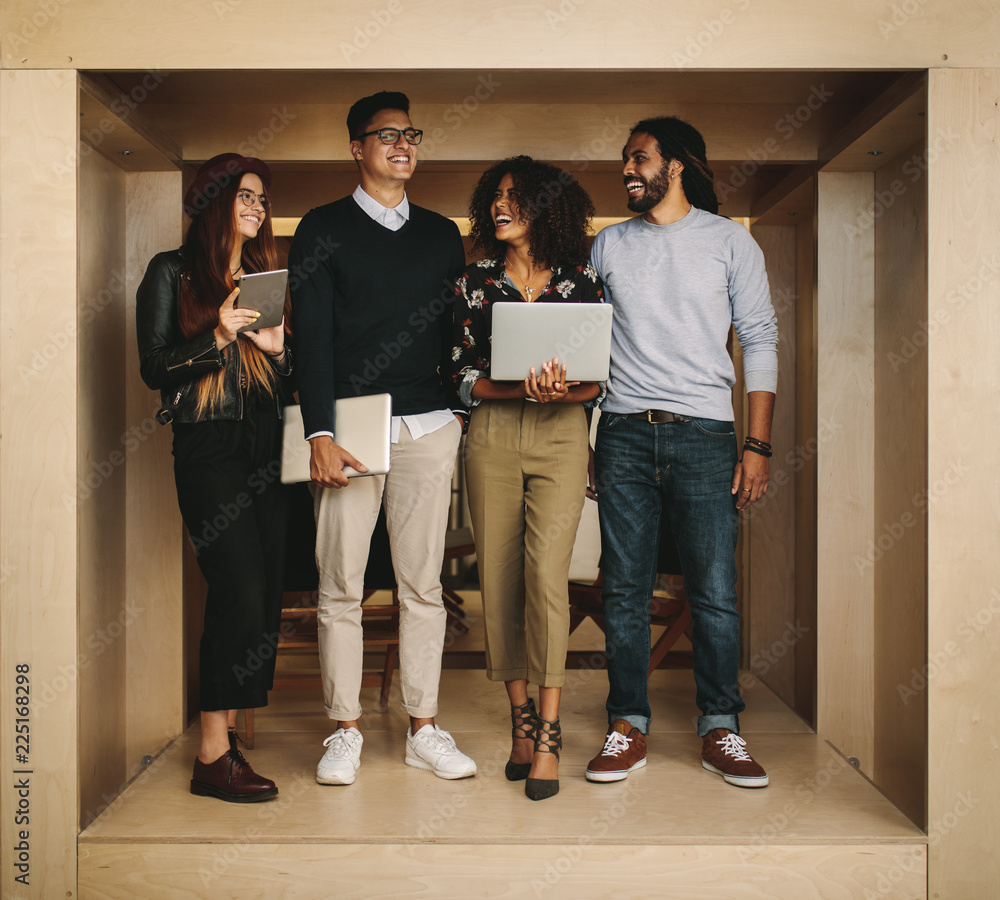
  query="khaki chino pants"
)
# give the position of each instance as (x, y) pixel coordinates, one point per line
(417, 494)
(526, 471)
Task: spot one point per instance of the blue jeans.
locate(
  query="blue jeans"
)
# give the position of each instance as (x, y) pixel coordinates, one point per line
(682, 471)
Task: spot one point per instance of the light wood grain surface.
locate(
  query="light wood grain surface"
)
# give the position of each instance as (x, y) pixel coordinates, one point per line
(356, 34)
(565, 872)
(154, 704)
(38, 471)
(773, 631)
(901, 464)
(963, 569)
(845, 473)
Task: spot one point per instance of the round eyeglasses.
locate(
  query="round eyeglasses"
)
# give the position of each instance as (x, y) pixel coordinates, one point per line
(391, 135)
(249, 198)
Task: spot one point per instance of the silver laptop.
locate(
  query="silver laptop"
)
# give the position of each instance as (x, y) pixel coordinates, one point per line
(529, 334)
(363, 428)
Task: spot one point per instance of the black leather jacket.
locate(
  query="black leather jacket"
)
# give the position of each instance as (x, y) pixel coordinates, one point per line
(173, 364)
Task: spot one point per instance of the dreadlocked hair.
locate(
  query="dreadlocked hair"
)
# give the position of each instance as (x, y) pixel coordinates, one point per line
(550, 199)
(678, 140)
(206, 281)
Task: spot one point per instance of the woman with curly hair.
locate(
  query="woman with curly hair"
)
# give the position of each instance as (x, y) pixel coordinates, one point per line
(223, 385)
(527, 447)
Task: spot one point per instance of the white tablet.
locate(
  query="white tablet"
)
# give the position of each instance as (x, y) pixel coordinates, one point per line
(363, 427)
(264, 292)
(529, 334)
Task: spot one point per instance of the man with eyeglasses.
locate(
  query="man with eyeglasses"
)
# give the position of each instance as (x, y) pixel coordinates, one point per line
(371, 278)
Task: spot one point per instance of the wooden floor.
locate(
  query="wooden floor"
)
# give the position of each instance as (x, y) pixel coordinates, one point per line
(672, 829)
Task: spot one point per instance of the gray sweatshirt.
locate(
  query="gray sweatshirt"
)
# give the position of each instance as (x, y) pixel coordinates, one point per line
(676, 290)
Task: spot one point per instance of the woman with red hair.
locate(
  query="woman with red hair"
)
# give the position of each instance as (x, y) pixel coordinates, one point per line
(223, 390)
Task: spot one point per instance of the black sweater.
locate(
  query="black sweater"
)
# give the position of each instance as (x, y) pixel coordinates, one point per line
(371, 310)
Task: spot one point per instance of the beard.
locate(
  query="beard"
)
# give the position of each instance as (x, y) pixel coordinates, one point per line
(655, 191)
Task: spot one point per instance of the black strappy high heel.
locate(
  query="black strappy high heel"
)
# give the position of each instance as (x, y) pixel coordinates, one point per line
(524, 726)
(549, 740)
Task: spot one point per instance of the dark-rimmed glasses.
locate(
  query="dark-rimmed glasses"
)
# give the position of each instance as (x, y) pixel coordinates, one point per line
(249, 198)
(391, 135)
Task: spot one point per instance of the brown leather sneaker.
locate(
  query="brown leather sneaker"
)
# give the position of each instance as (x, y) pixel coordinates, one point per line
(231, 778)
(624, 750)
(724, 752)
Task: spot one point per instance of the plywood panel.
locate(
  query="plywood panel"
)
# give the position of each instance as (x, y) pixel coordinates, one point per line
(901, 478)
(118, 872)
(803, 463)
(815, 795)
(845, 475)
(153, 583)
(774, 633)
(963, 510)
(492, 126)
(357, 34)
(38, 477)
(102, 452)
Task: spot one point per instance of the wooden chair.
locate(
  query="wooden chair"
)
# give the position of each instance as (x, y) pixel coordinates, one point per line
(458, 543)
(298, 614)
(586, 579)
(380, 623)
(673, 613)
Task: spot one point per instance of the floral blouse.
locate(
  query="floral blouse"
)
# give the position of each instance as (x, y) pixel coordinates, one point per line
(486, 283)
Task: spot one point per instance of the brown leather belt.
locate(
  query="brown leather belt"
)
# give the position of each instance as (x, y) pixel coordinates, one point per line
(657, 416)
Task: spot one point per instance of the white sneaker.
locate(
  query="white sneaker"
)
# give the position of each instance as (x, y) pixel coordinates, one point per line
(342, 758)
(434, 749)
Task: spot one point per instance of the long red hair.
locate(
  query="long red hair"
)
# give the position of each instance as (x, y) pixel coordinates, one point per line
(207, 280)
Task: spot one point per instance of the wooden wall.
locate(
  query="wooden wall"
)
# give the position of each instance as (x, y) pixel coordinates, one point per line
(38, 475)
(154, 702)
(896, 557)
(804, 465)
(451, 34)
(104, 614)
(773, 632)
(845, 472)
(963, 519)
(41, 46)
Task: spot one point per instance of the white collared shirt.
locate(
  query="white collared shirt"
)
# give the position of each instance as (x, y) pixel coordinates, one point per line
(395, 218)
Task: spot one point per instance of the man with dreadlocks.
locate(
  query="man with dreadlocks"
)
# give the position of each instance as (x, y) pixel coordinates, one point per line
(679, 276)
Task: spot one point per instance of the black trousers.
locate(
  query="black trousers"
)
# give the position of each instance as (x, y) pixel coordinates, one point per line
(235, 508)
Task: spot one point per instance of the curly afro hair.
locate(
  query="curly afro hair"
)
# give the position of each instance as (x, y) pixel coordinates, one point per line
(550, 199)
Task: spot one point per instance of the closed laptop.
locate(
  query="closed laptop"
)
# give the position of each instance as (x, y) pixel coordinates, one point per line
(529, 334)
(363, 428)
